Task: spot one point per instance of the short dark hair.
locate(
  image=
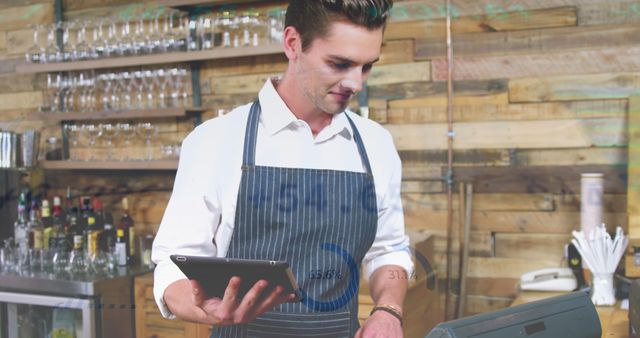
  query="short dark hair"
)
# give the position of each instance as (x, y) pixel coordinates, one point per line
(311, 18)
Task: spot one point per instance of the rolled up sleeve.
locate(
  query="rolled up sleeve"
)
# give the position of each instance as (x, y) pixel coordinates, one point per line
(391, 245)
(188, 223)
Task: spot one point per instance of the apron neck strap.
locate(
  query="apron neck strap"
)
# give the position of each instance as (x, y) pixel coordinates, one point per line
(251, 138)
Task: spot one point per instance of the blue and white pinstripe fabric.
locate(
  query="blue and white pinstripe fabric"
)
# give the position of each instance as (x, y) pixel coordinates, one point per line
(293, 215)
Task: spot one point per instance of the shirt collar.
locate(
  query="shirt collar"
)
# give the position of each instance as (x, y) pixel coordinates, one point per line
(276, 116)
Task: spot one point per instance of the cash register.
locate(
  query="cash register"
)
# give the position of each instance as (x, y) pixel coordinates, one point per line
(571, 315)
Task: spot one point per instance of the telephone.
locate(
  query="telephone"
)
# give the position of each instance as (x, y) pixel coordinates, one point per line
(550, 279)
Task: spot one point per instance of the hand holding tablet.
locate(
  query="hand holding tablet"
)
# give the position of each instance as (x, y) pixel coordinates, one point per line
(214, 274)
(233, 291)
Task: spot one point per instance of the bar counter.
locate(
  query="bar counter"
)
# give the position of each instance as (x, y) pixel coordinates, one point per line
(106, 302)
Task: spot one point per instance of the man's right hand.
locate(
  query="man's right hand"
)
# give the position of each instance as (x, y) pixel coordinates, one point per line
(226, 311)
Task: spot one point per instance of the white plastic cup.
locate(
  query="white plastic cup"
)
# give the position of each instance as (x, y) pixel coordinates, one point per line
(591, 191)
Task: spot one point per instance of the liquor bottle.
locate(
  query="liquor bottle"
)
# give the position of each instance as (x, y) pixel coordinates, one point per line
(91, 234)
(58, 239)
(21, 225)
(127, 225)
(98, 211)
(121, 248)
(75, 233)
(77, 258)
(36, 229)
(47, 222)
(85, 211)
(108, 236)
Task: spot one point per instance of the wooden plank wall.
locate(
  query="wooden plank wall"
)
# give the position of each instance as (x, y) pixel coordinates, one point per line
(541, 95)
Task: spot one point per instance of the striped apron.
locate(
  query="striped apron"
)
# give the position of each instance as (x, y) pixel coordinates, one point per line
(322, 222)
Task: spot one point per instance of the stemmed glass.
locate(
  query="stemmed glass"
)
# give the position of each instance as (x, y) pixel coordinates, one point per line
(147, 131)
(92, 132)
(35, 53)
(88, 96)
(70, 95)
(73, 135)
(50, 103)
(52, 51)
(137, 81)
(128, 132)
(108, 132)
(112, 43)
(155, 40)
(139, 38)
(124, 83)
(149, 85)
(127, 42)
(169, 37)
(182, 82)
(67, 46)
(81, 50)
(161, 83)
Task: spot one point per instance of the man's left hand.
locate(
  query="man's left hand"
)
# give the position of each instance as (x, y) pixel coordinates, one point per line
(380, 325)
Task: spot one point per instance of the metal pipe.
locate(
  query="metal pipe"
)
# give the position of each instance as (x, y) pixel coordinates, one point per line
(449, 175)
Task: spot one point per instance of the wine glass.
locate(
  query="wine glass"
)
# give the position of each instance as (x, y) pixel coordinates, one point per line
(108, 132)
(35, 53)
(92, 132)
(73, 132)
(149, 86)
(127, 131)
(169, 38)
(147, 131)
(139, 38)
(52, 51)
(77, 267)
(154, 40)
(124, 83)
(137, 82)
(112, 43)
(60, 263)
(183, 83)
(81, 50)
(67, 45)
(126, 45)
(165, 91)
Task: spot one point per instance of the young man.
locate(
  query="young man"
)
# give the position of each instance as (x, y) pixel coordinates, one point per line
(297, 178)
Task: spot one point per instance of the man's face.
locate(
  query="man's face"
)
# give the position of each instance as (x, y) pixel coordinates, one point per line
(334, 68)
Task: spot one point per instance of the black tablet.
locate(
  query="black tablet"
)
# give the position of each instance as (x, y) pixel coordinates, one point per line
(214, 273)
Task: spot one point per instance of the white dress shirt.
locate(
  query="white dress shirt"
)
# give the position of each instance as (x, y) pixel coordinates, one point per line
(200, 216)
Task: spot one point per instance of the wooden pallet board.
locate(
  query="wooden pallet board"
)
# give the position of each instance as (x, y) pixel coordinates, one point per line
(533, 246)
(481, 202)
(540, 18)
(497, 267)
(605, 13)
(422, 89)
(540, 179)
(611, 203)
(512, 135)
(575, 87)
(22, 100)
(415, 111)
(21, 16)
(462, 157)
(534, 41)
(610, 60)
(430, 9)
(615, 156)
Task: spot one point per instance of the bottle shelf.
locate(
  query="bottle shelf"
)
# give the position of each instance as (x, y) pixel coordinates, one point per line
(121, 114)
(110, 165)
(155, 59)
